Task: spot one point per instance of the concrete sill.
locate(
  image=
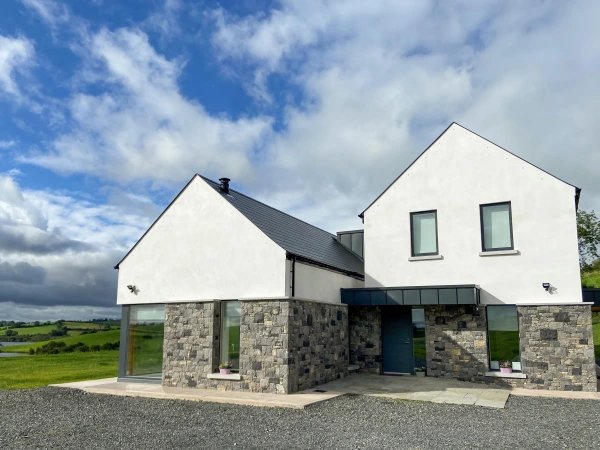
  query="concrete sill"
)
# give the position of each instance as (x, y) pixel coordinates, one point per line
(221, 376)
(425, 258)
(505, 375)
(500, 253)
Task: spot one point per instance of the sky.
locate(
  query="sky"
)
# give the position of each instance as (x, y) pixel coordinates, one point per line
(108, 108)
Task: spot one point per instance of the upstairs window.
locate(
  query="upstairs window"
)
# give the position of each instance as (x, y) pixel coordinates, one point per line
(423, 230)
(496, 227)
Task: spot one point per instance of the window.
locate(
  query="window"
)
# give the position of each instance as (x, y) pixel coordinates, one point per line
(503, 336)
(230, 333)
(496, 227)
(146, 338)
(423, 230)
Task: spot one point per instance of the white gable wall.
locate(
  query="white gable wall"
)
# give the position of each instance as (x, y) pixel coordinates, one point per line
(202, 248)
(458, 173)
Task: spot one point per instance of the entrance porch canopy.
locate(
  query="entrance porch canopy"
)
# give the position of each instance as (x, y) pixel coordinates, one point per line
(459, 294)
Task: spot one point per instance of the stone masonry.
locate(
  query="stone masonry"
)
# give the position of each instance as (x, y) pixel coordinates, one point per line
(190, 347)
(318, 349)
(273, 354)
(557, 347)
(456, 342)
(365, 338)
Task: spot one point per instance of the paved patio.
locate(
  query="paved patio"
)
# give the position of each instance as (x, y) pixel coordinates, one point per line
(401, 388)
(424, 389)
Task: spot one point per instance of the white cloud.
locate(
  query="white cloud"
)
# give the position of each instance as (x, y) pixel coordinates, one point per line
(61, 248)
(141, 126)
(16, 55)
(50, 11)
(7, 144)
(380, 80)
(165, 20)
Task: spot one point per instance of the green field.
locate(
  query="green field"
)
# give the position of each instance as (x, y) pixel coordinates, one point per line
(23, 372)
(84, 325)
(74, 328)
(98, 338)
(504, 345)
(42, 329)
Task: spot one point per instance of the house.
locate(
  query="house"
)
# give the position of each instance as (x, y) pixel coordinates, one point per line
(467, 262)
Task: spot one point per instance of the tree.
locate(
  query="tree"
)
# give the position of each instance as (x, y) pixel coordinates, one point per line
(588, 235)
(11, 333)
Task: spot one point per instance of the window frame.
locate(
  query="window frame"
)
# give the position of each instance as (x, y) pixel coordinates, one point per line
(482, 230)
(223, 308)
(412, 240)
(487, 332)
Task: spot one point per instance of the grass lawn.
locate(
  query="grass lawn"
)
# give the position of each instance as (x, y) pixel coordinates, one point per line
(591, 279)
(98, 338)
(23, 372)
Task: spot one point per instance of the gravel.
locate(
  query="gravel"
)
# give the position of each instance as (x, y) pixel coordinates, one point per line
(58, 418)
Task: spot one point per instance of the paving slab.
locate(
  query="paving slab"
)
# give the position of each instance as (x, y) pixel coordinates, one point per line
(112, 387)
(429, 389)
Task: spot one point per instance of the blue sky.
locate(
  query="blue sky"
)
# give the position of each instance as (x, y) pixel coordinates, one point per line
(107, 108)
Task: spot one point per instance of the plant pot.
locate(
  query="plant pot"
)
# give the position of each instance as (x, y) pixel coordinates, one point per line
(224, 371)
(420, 374)
(505, 369)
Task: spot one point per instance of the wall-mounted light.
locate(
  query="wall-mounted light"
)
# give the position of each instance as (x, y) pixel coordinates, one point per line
(132, 288)
(546, 286)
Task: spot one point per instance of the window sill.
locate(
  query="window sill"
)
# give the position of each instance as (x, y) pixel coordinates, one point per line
(425, 258)
(500, 253)
(222, 376)
(505, 375)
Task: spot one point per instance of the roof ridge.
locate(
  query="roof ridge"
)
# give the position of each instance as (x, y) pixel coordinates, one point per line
(271, 207)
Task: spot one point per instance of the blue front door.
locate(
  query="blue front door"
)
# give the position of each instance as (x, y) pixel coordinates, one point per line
(397, 340)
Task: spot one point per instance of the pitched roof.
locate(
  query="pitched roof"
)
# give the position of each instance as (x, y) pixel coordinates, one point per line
(293, 235)
(577, 190)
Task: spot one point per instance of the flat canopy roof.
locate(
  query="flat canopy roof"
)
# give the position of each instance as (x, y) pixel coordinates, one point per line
(459, 294)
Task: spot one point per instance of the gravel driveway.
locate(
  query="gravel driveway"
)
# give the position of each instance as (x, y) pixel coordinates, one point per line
(70, 419)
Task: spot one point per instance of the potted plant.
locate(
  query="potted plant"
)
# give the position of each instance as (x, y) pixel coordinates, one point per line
(505, 366)
(225, 368)
(420, 371)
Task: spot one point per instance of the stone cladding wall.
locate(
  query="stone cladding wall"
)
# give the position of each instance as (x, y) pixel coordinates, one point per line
(456, 339)
(285, 346)
(557, 348)
(318, 346)
(364, 328)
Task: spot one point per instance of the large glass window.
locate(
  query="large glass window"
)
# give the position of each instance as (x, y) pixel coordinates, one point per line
(496, 227)
(146, 338)
(230, 333)
(419, 346)
(503, 336)
(423, 229)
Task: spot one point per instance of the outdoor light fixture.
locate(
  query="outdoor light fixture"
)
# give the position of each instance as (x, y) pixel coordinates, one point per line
(546, 286)
(131, 288)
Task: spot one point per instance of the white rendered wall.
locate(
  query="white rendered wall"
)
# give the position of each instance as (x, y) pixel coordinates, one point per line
(316, 283)
(457, 174)
(202, 248)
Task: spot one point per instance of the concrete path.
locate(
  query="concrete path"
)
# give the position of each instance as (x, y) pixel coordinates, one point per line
(112, 387)
(425, 389)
